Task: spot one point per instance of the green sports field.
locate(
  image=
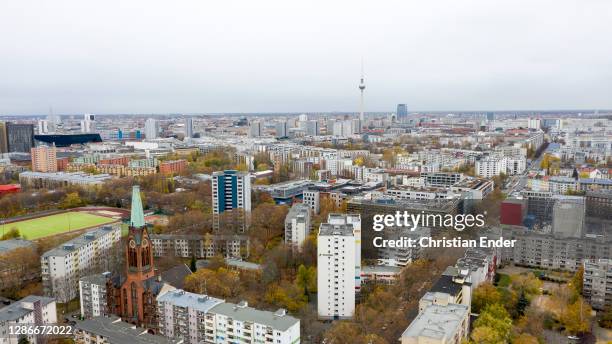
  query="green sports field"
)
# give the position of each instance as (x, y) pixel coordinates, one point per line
(55, 224)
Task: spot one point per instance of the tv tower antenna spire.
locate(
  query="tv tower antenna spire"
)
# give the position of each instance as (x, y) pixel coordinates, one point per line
(361, 88)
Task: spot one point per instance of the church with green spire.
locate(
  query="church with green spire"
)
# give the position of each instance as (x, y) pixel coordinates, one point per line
(132, 295)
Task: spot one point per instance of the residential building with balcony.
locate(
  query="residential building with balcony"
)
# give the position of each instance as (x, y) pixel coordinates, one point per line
(62, 266)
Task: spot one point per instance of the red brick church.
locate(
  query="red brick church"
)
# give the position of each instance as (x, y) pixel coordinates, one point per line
(132, 295)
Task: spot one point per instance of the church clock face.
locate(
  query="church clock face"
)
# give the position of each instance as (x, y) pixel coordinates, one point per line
(132, 244)
(145, 242)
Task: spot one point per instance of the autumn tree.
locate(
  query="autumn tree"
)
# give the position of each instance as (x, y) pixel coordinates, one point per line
(306, 279)
(606, 318)
(344, 332)
(268, 221)
(577, 281)
(18, 266)
(485, 335)
(528, 284)
(532, 322)
(12, 233)
(286, 295)
(496, 323)
(220, 283)
(72, 200)
(525, 338)
(486, 294)
(191, 221)
(576, 317)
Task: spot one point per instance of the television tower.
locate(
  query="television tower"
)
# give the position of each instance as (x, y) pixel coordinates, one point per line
(361, 88)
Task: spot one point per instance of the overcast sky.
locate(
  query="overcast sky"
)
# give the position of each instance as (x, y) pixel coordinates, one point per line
(258, 56)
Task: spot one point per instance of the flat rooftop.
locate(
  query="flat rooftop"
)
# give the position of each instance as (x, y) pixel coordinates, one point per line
(277, 320)
(329, 229)
(116, 331)
(80, 241)
(181, 298)
(20, 308)
(437, 322)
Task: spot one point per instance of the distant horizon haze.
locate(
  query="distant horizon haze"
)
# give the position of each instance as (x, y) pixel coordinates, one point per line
(274, 56)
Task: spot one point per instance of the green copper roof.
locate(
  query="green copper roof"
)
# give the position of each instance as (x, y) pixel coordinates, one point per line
(137, 216)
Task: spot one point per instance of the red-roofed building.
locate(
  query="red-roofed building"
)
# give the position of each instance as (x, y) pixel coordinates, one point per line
(9, 188)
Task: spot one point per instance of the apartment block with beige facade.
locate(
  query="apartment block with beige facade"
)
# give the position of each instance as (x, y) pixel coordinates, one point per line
(44, 159)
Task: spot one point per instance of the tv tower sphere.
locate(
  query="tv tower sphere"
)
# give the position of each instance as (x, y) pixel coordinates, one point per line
(362, 85)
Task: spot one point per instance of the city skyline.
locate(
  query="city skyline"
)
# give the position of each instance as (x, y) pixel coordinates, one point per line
(276, 57)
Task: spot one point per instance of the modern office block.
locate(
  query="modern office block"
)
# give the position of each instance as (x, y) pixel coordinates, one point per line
(20, 137)
(402, 112)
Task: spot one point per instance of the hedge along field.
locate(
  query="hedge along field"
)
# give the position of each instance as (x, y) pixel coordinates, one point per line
(55, 224)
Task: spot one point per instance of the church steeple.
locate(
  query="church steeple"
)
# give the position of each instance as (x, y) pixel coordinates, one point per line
(137, 214)
(138, 250)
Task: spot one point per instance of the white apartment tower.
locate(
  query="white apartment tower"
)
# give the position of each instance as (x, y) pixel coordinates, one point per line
(255, 129)
(188, 127)
(338, 266)
(151, 129)
(88, 124)
(297, 225)
(355, 221)
(490, 167)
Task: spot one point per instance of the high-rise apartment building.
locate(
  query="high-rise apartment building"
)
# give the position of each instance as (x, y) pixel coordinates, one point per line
(44, 159)
(337, 251)
(151, 128)
(88, 124)
(281, 129)
(355, 221)
(188, 127)
(490, 167)
(297, 225)
(312, 127)
(255, 129)
(231, 191)
(43, 126)
(343, 127)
